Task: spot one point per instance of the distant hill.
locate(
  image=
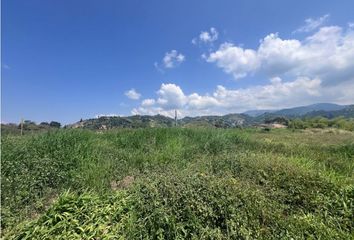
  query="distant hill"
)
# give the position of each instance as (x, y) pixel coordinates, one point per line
(227, 121)
(256, 113)
(347, 112)
(135, 121)
(297, 111)
(344, 111)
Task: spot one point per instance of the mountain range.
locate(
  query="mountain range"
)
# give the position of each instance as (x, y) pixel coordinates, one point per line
(249, 118)
(298, 111)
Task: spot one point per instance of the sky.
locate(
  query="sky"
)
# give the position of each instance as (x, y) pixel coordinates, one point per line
(66, 60)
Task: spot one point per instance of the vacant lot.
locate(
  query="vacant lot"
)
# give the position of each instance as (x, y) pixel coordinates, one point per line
(178, 184)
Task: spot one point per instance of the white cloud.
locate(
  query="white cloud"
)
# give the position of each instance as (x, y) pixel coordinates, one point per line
(133, 94)
(318, 68)
(171, 60)
(197, 102)
(312, 24)
(5, 66)
(158, 68)
(328, 54)
(235, 60)
(274, 95)
(148, 102)
(170, 96)
(207, 36)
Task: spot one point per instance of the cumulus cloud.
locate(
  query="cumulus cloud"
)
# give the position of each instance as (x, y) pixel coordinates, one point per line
(273, 95)
(312, 24)
(171, 60)
(318, 68)
(207, 36)
(171, 96)
(148, 102)
(133, 94)
(327, 54)
(235, 60)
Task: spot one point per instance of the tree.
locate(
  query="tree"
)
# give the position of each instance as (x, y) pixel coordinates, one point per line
(44, 125)
(28, 125)
(297, 124)
(29, 122)
(279, 120)
(54, 124)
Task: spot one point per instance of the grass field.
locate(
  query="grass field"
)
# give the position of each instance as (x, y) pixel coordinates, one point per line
(171, 183)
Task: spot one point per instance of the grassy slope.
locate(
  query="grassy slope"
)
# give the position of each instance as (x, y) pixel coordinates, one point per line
(188, 183)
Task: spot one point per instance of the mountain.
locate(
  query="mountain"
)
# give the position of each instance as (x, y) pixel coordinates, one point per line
(327, 110)
(299, 111)
(135, 121)
(226, 121)
(344, 111)
(347, 112)
(256, 113)
(253, 118)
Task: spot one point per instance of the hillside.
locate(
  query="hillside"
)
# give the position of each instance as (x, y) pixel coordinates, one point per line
(347, 112)
(135, 121)
(300, 111)
(225, 121)
(297, 111)
(256, 113)
(344, 111)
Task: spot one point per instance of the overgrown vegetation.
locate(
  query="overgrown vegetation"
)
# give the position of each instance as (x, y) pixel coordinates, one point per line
(28, 127)
(172, 183)
(322, 122)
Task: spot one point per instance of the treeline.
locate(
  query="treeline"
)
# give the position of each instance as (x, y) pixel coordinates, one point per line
(322, 122)
(136, 121)
(28, 126)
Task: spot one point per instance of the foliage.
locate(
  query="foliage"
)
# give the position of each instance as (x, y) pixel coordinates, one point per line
(54, 124)
(279, 120)
(29, 127)
(321, 122)
(188, 184)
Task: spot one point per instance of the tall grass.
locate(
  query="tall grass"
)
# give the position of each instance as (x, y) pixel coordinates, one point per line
(188, 184)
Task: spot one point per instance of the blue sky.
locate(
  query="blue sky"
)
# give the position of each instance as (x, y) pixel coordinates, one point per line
(66, 60)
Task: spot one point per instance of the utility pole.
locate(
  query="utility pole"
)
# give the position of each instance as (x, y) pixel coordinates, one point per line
(175, 117)
(21, 126)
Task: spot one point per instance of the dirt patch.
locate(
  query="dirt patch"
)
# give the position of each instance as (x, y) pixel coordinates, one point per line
(325, 130)
(124, 183)
(50, 200)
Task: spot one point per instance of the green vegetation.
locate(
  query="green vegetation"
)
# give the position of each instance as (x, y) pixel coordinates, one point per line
(173, 183)
(29, 127)
(336, 116)
(321, 122)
